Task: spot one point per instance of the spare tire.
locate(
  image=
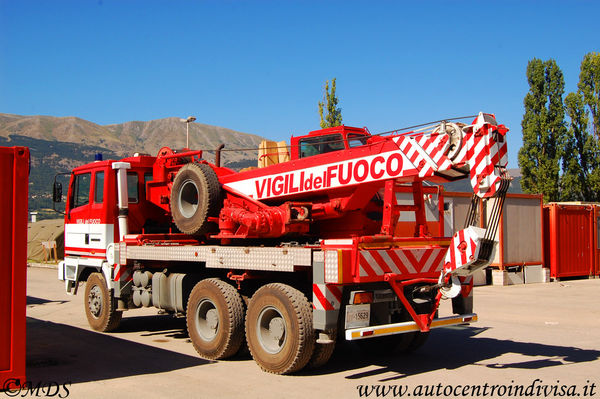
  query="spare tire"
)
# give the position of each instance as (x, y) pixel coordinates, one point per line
(195, 196)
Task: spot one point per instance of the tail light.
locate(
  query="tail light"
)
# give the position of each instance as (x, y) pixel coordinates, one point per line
(362, 297)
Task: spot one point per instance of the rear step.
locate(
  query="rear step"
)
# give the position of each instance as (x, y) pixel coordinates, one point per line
(405, 327)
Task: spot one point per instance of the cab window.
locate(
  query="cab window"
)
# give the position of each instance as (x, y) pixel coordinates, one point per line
(99, 187)
(81, 189)
(147, 177)
(310, 146)
(356, 140)
(132, 187)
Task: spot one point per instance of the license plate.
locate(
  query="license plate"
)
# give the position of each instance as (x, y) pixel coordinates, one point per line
(358, 315)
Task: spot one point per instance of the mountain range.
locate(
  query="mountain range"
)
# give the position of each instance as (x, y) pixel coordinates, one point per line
(58, 144)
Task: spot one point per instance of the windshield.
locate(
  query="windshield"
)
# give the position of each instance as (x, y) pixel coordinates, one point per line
(320, 145)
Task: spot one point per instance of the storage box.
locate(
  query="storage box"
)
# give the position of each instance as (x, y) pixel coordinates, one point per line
(536, 274)
(504, 277)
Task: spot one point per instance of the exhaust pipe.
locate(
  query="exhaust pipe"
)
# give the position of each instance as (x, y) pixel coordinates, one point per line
(218, 155)
(122, 198)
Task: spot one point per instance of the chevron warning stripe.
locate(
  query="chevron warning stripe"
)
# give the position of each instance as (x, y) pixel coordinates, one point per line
(374, 263)
(122, 273)
(462, 249)
(484, 154)
(327, 296)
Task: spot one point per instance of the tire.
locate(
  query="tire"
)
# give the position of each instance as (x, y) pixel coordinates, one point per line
(215, 319)
(279, 329)
(321, 355)
(195, 196)
(100, 306)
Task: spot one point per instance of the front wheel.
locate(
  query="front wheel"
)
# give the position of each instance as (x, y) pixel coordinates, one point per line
(100, 306)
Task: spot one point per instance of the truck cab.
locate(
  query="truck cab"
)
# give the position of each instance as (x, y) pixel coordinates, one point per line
(92, 208)
(329, 140)
(92, 213)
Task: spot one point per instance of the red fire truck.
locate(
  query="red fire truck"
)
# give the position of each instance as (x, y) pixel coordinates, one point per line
(287, 257)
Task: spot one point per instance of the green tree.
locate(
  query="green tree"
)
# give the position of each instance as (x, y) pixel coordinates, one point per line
(589, 87)
(581, 161)
(333, 114)
(544, 129)
(578, 155)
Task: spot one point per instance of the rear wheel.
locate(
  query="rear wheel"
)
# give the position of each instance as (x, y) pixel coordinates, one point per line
(279, 329)
(195, 196)
(322, 354)
(100, 306)
(215, 319)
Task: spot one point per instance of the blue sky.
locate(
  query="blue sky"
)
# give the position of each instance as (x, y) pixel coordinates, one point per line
(260, 66)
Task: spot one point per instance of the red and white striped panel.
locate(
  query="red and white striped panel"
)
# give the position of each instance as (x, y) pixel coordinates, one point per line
(327, 296)
(373, 263)
(435, 145)
(466, 286)
(426, 152)
(483, 154)
(414, 153)
(122, 273)
(463, 248)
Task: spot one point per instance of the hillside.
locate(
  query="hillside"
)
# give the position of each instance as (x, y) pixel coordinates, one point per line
(129, 137)
(59, 144)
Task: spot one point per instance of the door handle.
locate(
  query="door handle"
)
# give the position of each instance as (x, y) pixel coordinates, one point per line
(87, 239)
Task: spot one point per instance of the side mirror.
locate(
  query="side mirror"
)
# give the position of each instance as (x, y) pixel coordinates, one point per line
(57, 192)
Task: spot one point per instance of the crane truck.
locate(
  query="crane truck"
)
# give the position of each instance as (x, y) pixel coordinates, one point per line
(287, 258)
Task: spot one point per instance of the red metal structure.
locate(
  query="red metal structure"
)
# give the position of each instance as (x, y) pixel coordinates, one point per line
(571, 231)
(291, 255)
(14, 177)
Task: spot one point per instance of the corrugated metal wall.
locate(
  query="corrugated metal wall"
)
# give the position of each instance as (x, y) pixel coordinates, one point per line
(571, 231)
(519, 233)
(522, 231)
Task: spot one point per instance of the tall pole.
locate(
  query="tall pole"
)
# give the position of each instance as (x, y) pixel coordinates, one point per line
(187, 129)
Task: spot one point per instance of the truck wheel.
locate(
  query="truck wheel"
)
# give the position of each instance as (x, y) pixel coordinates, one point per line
(321, 355)
(279, 329)
(215, 319)
(195, 196)
(100, 306)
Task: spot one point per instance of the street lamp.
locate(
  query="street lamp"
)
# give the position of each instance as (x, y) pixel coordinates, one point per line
(187, 134)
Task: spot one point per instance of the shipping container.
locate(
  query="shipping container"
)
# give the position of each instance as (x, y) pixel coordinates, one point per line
(14, 176)
(520, 228)
(571, 231)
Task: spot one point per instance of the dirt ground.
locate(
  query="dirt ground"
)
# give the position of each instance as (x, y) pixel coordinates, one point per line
(543, 338)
